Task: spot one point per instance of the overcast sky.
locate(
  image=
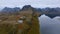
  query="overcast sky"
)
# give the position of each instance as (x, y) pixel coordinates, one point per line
(34, 3)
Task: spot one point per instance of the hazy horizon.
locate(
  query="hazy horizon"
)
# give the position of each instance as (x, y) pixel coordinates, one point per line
(34, 3)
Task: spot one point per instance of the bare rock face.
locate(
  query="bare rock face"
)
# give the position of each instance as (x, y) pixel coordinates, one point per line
(26, 7)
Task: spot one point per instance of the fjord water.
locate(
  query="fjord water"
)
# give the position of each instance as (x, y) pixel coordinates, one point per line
(49, 25)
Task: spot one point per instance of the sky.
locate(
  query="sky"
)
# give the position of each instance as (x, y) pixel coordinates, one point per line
(34, 3)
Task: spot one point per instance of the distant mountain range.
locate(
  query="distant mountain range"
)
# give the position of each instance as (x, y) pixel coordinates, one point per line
(51, 12)
(10, 10)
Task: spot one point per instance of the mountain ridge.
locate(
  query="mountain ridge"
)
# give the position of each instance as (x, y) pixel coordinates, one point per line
(51, 12)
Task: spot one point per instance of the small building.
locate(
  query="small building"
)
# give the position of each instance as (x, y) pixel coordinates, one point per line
(20, 21)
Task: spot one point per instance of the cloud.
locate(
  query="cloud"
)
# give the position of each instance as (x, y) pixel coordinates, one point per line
(34, 3)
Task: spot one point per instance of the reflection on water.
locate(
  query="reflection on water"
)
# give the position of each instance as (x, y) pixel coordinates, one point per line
(48, 25)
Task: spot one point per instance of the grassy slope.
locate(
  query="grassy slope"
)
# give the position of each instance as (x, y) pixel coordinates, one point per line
(35, 26)
(5, 27)
(10, 28)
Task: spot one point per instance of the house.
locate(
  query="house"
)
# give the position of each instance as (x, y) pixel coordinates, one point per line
(20, 21)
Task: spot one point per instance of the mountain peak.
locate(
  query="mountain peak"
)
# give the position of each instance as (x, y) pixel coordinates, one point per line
(26, 7)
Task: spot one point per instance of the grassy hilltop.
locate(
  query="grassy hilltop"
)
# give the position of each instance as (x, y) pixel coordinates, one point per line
(9, 23)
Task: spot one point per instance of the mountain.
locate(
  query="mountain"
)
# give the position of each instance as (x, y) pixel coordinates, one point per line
(51, 12)
(8, 10)
(27, 7)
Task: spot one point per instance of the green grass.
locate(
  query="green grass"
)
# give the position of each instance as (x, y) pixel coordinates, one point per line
(35, 26)
(11, 29)
(7, 29)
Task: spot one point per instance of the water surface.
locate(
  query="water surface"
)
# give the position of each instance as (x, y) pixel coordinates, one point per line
(48, 25)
